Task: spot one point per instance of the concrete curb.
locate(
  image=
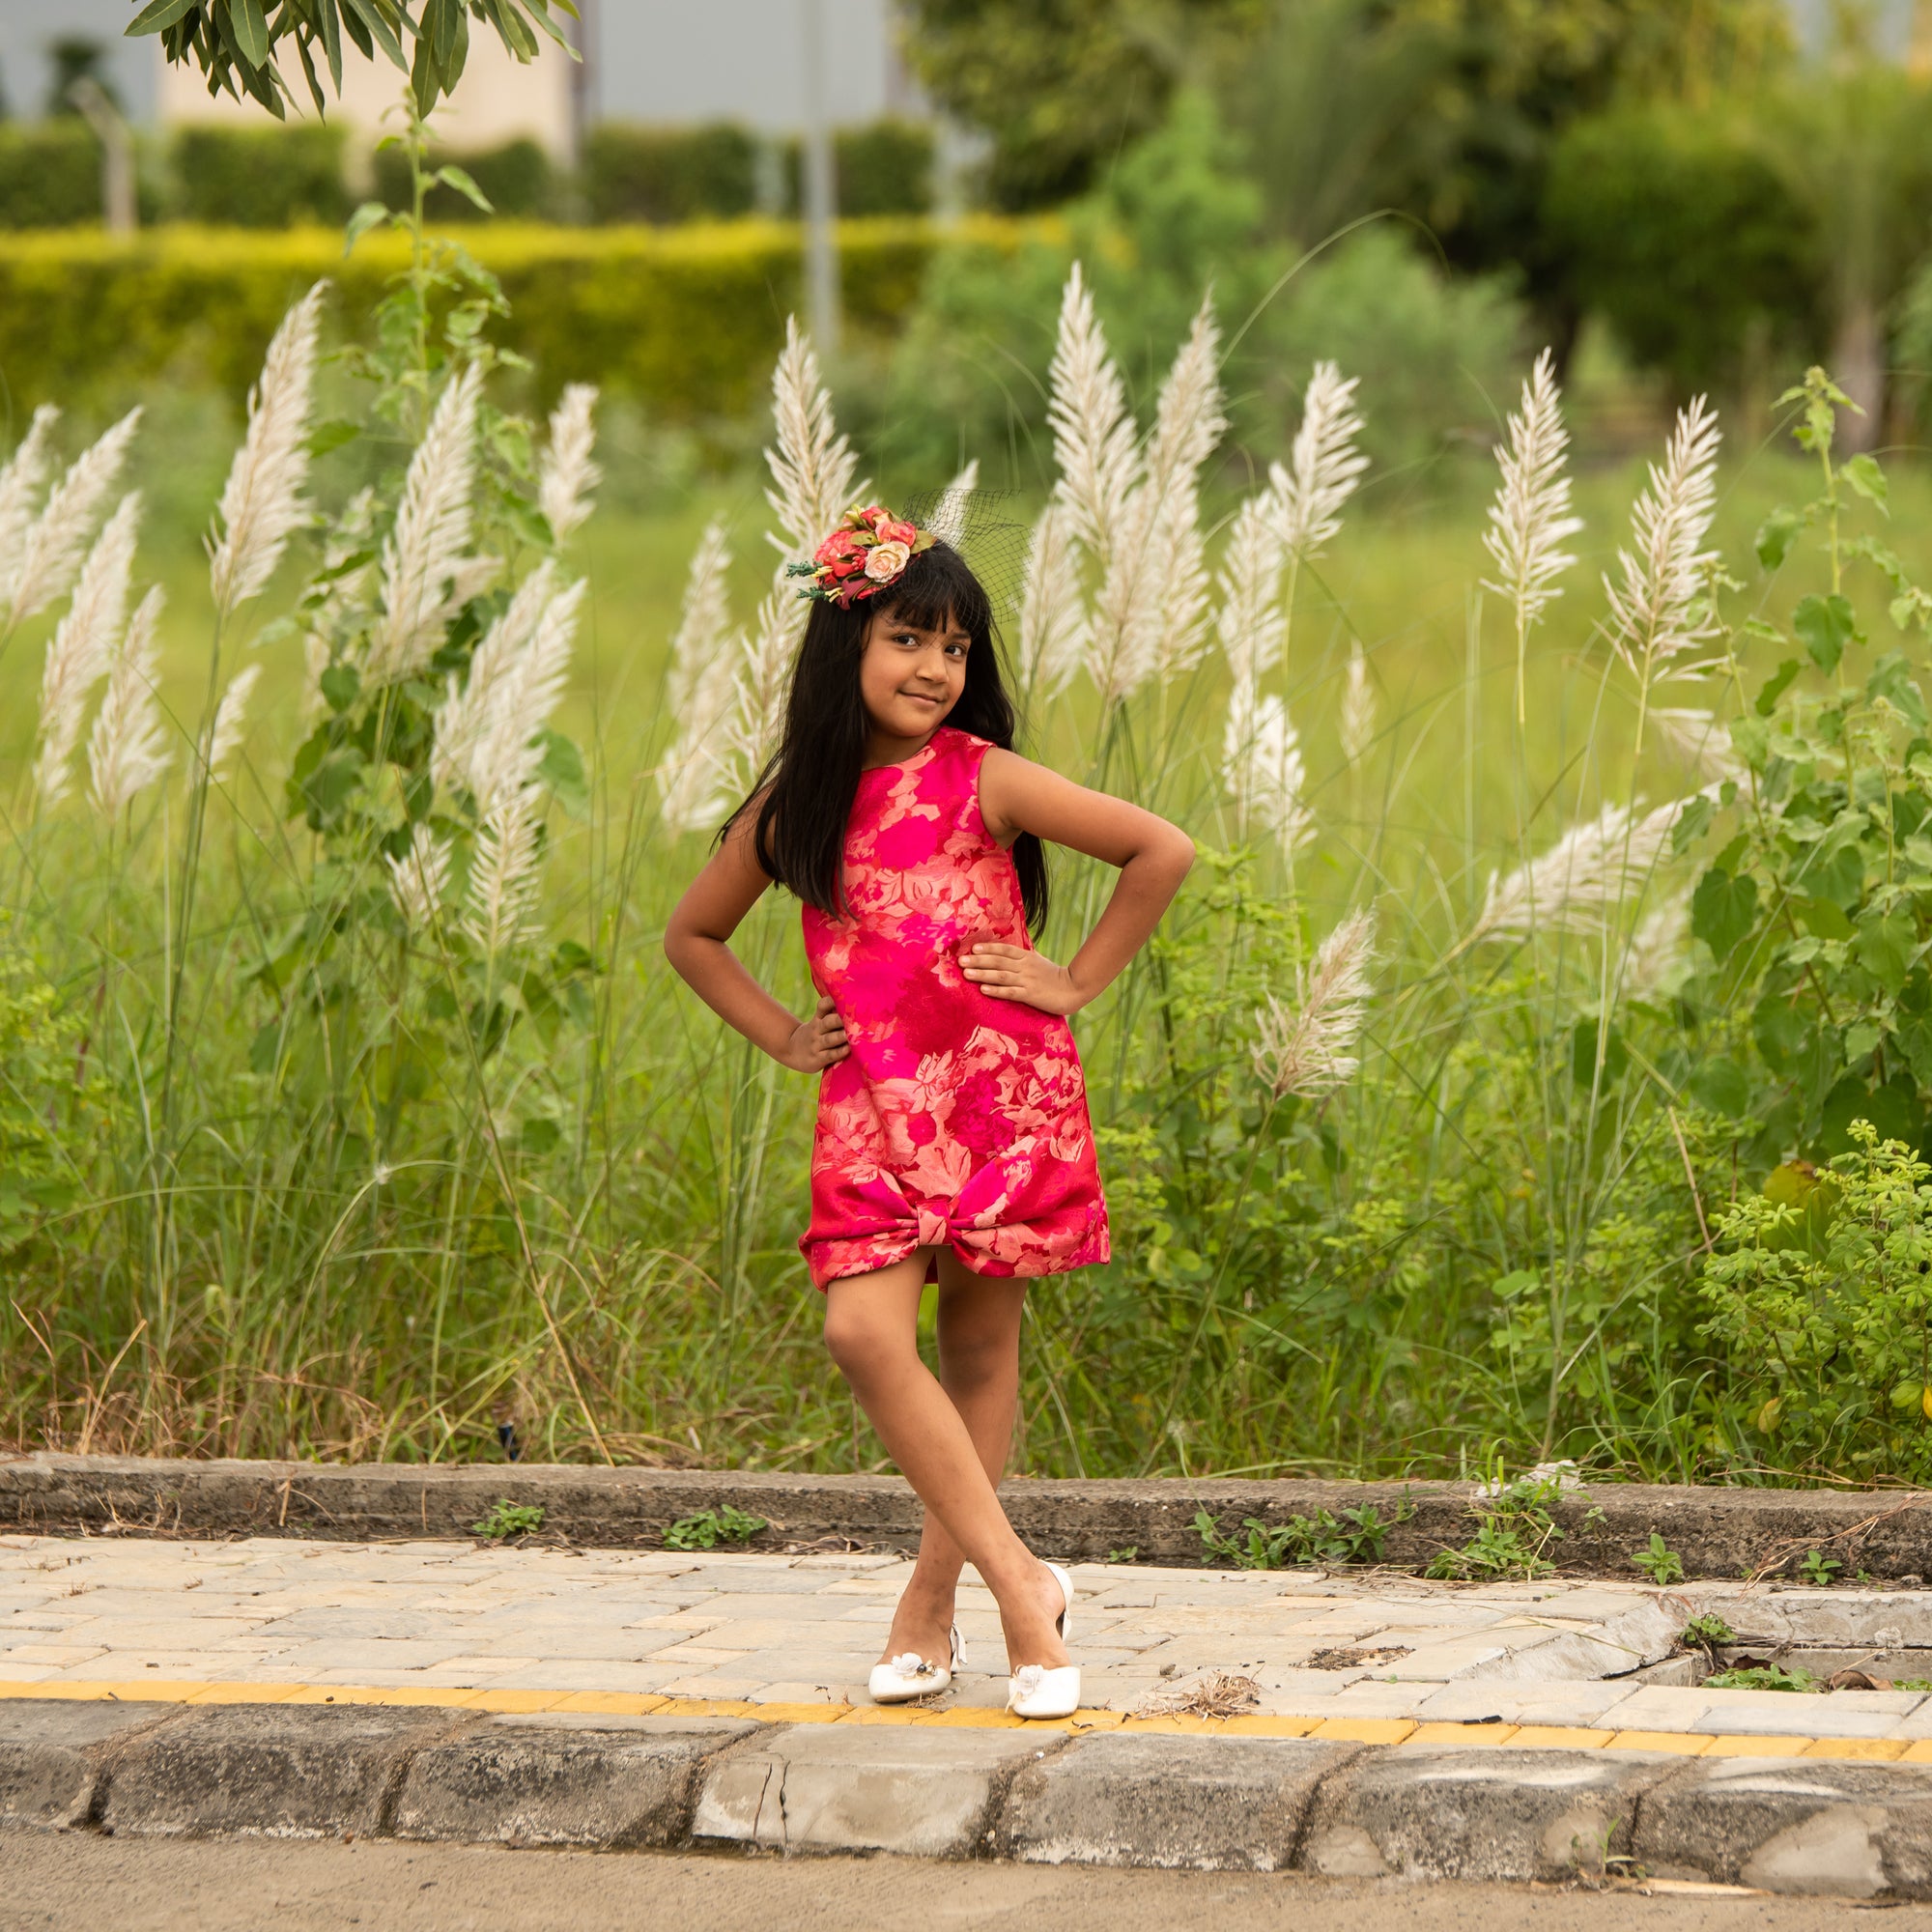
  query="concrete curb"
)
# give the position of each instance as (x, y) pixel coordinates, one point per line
(614, 1783)
(1716, 1532)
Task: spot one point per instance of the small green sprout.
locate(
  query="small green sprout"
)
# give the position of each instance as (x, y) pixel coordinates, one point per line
(507, 1519)
(707, 1529)
(1819, 1568)
(1659, 1562)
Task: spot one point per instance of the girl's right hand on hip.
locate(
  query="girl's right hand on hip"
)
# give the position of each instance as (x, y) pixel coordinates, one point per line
(818, 1042)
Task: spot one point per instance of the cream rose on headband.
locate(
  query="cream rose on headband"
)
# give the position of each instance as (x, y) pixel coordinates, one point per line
(884, 561)
(870, 550)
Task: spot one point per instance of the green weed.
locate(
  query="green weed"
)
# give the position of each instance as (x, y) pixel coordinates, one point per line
(1355, 1536)
(1766, 1677)
(1659, 1562)
(707, 1529)
(507, 1519)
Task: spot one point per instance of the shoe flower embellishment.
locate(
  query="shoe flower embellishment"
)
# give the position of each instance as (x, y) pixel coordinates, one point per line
(909, 1663)
(868, 551)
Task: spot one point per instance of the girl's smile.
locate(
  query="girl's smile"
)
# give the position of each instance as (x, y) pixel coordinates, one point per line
(909, 681)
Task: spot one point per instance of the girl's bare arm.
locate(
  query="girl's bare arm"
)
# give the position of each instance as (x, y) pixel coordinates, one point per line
(698, 943)
(1015, 796)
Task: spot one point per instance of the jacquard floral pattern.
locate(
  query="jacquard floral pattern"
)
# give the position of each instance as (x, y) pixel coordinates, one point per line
(957, 1119)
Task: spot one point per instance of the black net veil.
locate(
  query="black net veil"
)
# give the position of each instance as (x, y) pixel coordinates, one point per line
(988, 528)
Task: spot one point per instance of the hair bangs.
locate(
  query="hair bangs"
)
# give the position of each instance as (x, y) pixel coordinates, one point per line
(936, 588)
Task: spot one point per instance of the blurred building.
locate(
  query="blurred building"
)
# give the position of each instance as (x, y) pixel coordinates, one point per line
(659, 61)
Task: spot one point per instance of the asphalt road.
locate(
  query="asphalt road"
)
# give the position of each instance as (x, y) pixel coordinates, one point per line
(86, 1883)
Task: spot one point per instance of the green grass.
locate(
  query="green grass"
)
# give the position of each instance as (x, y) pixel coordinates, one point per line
(337, 1266)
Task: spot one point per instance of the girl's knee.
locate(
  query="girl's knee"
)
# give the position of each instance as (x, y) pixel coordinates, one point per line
(859, 1345)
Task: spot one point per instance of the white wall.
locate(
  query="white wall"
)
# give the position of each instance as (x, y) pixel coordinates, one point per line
(26, 26)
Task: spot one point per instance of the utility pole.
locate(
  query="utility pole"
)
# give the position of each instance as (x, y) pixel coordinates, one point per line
(821, 188)
(117, 154)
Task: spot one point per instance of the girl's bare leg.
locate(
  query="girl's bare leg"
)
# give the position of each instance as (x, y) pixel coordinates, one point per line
(872, 1327)
(979, 1371)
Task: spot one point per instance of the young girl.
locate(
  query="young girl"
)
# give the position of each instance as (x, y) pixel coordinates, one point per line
(952, 1141)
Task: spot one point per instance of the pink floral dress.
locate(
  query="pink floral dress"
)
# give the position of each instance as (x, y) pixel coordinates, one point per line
(957, 1119)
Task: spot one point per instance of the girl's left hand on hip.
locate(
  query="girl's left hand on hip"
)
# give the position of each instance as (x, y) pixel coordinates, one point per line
(1018, 973)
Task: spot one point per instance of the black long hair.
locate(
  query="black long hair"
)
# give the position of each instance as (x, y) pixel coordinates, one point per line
(803, 797)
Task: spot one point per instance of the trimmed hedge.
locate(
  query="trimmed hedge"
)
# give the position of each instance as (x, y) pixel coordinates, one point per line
(654, 174)
(688, 321)
(258, 176)
(49, 174)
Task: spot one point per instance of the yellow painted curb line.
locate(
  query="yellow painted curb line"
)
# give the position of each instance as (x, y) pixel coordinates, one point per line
(616, 1703)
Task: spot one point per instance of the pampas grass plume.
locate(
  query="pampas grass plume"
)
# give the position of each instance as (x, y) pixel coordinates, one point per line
(53, 546)
(127, 750)
(262, 502)
(1325, 466)
(81, 650)
(418, 879)
(431, 530)
(1592, 869)
(231, 719)
(1309, 1048)
(813, 465)
(503, 875)
(569, 475)
(21, 484)
(1053, 614)
(1094, 443)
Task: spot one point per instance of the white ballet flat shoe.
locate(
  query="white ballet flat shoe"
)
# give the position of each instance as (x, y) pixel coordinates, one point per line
(1036, 1691)
(1040, 1691)
(905, 1678)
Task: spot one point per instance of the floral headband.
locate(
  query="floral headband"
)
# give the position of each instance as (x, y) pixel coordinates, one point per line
(868, 551)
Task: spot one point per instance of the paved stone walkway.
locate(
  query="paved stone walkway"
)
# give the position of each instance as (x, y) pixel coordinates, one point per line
(1378, 1659)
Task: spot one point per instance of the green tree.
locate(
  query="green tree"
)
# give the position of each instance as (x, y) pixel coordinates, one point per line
(236, 42)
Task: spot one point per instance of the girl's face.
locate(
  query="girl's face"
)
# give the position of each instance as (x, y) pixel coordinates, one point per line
(910, 679)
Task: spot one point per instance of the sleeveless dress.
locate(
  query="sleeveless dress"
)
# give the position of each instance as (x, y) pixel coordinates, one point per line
(957, 1119)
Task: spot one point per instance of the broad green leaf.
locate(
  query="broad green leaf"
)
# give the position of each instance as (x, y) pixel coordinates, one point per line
(1693, 822)
(452, 175)
(1825, 626)
(1519, 1281)
(341, 686)
(332, 435)
(1775, 686)
(1723, 910)
(1721, 1086)
(1776, 534)
(1884, 945)
(1824, 918)
(1863, 474)
(371, 214)
(1891, 679)
(159, 14)
(251, 29)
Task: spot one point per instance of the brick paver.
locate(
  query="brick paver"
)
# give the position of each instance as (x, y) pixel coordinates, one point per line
(1361, 1656)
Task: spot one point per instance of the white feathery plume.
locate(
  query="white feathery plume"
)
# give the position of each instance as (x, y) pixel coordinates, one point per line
(231, 719)
(51, 551)
(1095, 441)
(262, 502)
(503, 874)
(1660, 608)
(462, 718)
(813, 465)
(127, 750)
(1358, 725)
(21, 484)
(431, 530)
(763, 677)
(706, 660)
(704, 620)
(947, 521)
(493, 722)
(568, 473)
(1309, 1048)
(315, 660)
(1156, 578)
(1659, 950)
(1053, 614)
(1325, 468)
(1695, 736)
(418, 879)
(1251, 621)
(1593, 869)
(1529, 516)
(82, 647)
(1263, 771)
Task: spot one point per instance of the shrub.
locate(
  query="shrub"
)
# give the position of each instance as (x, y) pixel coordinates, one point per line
(669, 175)
(50, 175)
(1684, 235)
(883, 168)
(517, 180)
(682, 322)
(259, 177)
